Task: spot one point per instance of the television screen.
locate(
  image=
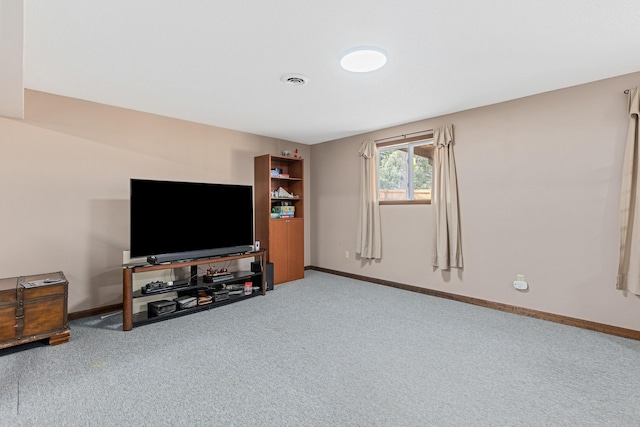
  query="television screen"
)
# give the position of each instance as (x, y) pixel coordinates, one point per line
(184, 220)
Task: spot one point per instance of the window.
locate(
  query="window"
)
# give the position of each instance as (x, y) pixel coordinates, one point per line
(405, 172)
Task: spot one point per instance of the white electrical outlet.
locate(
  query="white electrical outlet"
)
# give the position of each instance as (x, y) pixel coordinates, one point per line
(346, 254)
(521, 285)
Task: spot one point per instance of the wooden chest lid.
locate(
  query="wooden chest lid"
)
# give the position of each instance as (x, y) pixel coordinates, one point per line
(42, 279)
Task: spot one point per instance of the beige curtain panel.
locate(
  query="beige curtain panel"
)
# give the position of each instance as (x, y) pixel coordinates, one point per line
(368, 233)
(629, 266)
(447, 249)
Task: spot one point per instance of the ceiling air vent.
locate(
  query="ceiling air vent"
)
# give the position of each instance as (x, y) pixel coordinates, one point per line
(295, 79)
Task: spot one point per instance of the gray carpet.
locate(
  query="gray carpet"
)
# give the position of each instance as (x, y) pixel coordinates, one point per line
(326, 351)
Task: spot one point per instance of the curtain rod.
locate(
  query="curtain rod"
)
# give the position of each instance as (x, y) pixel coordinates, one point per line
(404, 135)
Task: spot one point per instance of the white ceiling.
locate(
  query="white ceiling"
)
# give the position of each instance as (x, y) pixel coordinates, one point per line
(219, 62)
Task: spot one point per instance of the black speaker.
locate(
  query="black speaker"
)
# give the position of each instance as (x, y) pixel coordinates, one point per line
(269, 276)
(255, 267)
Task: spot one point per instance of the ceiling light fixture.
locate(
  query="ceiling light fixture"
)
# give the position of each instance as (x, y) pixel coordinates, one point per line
(363, 59)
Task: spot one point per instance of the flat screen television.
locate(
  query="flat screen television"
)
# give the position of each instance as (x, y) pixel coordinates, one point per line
(173, 220)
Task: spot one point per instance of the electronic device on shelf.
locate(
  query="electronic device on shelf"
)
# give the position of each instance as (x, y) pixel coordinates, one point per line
(186, 301)
(158, 286)
(220, 295)
(159, 308)
(154, 286)
(220, 279)
(176, 242)
(217, 276)
(223, 278)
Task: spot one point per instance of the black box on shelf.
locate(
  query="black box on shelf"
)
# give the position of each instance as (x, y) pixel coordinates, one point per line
(221, 295)
(158, 308)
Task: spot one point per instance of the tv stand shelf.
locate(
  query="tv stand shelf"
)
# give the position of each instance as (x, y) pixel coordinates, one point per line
(129, 319)
(142, 317)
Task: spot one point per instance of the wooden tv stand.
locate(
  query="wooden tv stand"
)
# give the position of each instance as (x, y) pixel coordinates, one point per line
(129, 319)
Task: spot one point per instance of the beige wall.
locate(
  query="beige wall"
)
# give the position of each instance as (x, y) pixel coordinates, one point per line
(11, 58)
(538, 180)
(64, 184)
(539, 193)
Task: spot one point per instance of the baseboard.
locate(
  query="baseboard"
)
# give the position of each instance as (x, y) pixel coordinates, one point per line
(579, 323)
(94, 311)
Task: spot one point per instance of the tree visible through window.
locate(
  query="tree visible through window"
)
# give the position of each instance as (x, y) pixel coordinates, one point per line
(405, 172)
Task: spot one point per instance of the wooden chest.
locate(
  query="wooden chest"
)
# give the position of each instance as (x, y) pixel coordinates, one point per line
(33, 308)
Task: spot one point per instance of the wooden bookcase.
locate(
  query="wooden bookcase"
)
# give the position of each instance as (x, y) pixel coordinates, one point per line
(283, 238)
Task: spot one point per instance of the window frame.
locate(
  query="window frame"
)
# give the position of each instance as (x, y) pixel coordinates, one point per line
(410, 143)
